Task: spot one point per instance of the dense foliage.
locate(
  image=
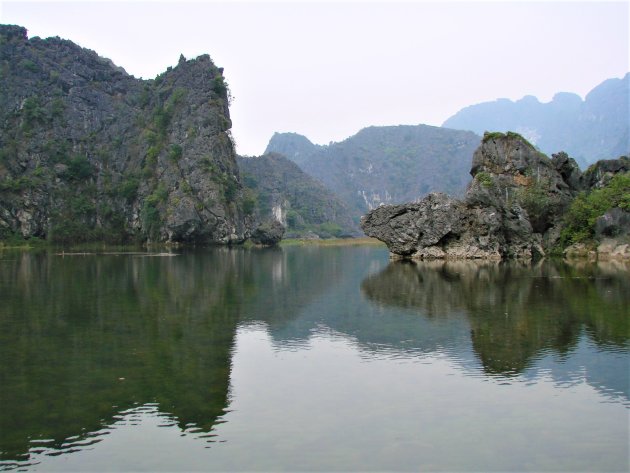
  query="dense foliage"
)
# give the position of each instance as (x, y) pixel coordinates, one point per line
(589, 206)
(275, 187)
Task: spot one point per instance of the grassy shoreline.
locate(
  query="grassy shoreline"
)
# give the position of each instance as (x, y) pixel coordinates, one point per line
(363, 241)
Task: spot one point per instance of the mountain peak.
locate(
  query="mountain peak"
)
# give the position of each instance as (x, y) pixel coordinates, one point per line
(13, 32)
(294, 146)
(90, 153)
(589, 130)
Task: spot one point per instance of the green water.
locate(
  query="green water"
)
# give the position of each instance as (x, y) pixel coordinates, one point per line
(311, 358)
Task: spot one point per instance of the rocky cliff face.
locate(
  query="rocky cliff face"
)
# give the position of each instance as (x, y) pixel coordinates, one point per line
(384, 165)
(512, 208)
(88, 152)
(590, 129)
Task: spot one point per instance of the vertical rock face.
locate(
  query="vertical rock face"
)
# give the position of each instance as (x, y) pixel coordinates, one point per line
(511, 209)
(88, 152)
(511, 175)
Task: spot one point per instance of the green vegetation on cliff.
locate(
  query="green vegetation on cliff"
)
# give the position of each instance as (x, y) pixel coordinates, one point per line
(581, 218)
(276, 188)
(90, 153)
(384, 164)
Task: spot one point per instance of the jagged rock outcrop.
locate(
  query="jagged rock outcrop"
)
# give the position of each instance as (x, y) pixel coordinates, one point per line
(568, 169)
(88, 152)
(511, 175)
(599, 174)
(268, 233)
(512, 208)
(432, 228)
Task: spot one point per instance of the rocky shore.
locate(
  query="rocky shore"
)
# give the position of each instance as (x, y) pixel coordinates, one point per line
(513, 208)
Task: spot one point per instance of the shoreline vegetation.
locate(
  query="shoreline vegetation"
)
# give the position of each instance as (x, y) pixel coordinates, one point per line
(359, 241)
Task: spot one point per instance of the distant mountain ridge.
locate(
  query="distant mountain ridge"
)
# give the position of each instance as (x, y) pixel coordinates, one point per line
(278, 189)
(385, 164)
(294, 146)
(588, 130)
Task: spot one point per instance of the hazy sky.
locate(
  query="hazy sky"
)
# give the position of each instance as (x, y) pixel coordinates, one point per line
(328, 69)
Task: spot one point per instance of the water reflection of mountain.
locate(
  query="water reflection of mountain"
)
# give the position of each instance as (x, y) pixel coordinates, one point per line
(83, 338)
(520, 314)
(377, 330)
(498, 319)
(86, 338)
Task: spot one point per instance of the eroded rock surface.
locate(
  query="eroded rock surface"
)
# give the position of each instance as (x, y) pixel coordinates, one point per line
(512, 207)
(268, 233)
(89, 152)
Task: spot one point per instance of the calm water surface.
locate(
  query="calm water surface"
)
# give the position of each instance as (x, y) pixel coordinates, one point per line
(307, 358)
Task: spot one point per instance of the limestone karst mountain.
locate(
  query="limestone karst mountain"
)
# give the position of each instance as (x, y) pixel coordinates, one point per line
(516, 206)
(88, 152)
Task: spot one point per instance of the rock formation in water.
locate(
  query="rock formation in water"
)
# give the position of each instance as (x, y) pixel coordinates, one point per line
(384, 164)
(88, 152)
(590, 129)
(503, 304)
(513, 207)
(277, 189)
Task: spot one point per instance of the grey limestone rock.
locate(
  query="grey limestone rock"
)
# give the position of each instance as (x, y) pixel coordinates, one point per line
(409, 227)
(88, 152)
(613, 223)
(268, 233)
(568, 169)
(509, 210)
(600, 173)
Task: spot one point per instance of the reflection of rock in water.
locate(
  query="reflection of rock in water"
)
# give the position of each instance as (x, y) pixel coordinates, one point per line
(85, 338)
(281, 281)
(407, 284)
(516, 312)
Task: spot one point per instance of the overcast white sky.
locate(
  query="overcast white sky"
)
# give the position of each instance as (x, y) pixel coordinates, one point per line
(328, 69)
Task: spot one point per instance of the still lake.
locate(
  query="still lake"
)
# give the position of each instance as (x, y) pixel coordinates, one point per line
(311, 358)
